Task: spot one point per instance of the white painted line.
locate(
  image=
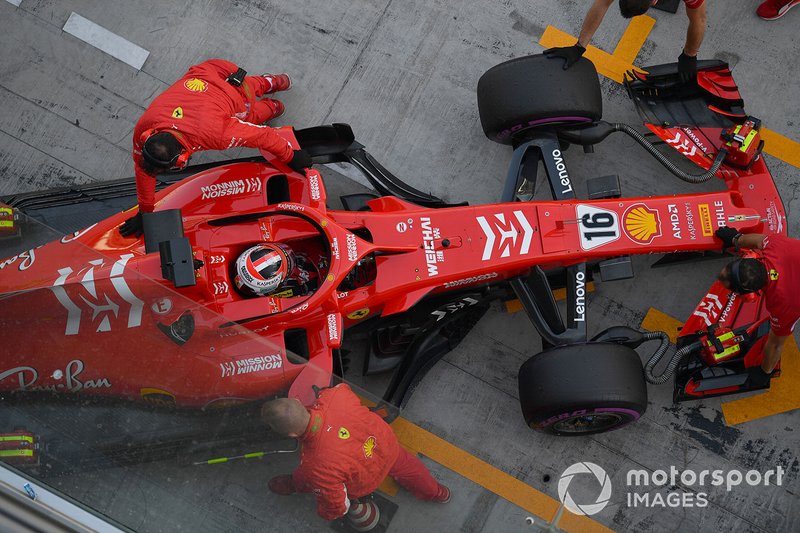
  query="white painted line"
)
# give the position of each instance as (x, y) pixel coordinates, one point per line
(15, 2)
(109, 42)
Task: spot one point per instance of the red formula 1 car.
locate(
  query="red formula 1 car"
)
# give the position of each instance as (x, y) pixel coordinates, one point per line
(160, 318)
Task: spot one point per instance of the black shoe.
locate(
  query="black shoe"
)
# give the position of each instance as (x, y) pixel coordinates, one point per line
(757, 378)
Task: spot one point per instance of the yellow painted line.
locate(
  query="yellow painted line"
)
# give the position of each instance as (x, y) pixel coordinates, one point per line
(580, 524)
(655, 320)
(482, 473)
(782, 395)
(781, 147)
(634, 37)
(513, 306)
(605, 63)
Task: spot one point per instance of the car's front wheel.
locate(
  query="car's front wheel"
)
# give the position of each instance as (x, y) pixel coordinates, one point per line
(582, 389)
(532, 92)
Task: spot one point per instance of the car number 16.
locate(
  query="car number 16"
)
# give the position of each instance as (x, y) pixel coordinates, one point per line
(596, 226)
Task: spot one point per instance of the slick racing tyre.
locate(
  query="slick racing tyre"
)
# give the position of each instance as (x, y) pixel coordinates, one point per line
(534, 91)
(582, 389)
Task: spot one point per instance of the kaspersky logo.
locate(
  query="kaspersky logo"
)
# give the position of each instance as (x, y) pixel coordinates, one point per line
(641, 224)
(574, 476)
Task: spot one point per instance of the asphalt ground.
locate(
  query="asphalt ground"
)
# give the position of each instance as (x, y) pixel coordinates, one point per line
(403, 74)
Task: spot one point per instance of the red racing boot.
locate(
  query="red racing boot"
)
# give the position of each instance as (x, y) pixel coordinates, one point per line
(278, 82)
(443, 496)
(775, 9)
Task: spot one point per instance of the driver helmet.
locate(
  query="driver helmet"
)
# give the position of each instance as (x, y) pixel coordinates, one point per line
(261, 269)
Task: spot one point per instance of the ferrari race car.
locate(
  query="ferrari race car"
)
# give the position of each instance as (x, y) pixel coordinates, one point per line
(160, 319)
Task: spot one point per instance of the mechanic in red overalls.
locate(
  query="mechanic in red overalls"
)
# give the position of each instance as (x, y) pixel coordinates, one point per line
(687, 61)
(214, 106)
(347, 451)
(778, 274)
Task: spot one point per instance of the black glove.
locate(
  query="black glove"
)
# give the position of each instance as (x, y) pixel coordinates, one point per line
(570, 54)
(726, 235)
(300, 160)
(757, 377)
(687, 68)
(132, 227)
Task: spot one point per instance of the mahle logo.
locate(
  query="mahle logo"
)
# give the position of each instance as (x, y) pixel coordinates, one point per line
(584, 468)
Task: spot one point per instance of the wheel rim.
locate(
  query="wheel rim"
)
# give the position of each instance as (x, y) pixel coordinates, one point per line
(590, 423)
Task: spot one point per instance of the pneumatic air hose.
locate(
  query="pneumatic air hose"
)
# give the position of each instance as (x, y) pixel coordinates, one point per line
(659, 353)
(661, 158)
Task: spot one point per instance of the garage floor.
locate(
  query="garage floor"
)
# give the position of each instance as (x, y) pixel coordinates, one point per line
(403, 73)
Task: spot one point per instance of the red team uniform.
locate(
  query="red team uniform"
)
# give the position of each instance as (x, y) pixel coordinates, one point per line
(347, 452)
(782, 259)
(205, 112)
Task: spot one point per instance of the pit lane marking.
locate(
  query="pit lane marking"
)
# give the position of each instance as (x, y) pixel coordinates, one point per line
(781, 147)
(782, 395)
(420, 441)
(417, 440)
(106, 41)
(614, 65)
(634, 38)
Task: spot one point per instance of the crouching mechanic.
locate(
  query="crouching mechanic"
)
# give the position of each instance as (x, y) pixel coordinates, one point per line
(347, 450)
(214, 106)
(778, 274)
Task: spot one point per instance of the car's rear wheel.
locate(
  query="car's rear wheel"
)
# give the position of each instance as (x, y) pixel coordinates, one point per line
(534, 91)
(582, 389)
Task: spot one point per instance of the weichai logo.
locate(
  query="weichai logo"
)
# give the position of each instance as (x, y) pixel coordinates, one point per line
(641, 224)
(705, 220)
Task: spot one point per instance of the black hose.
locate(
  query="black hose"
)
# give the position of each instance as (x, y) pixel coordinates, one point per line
(661, 158)
(659, 353)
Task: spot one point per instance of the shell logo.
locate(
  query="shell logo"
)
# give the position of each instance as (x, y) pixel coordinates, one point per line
(642, 224)
(196, 85)
(369, 446)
